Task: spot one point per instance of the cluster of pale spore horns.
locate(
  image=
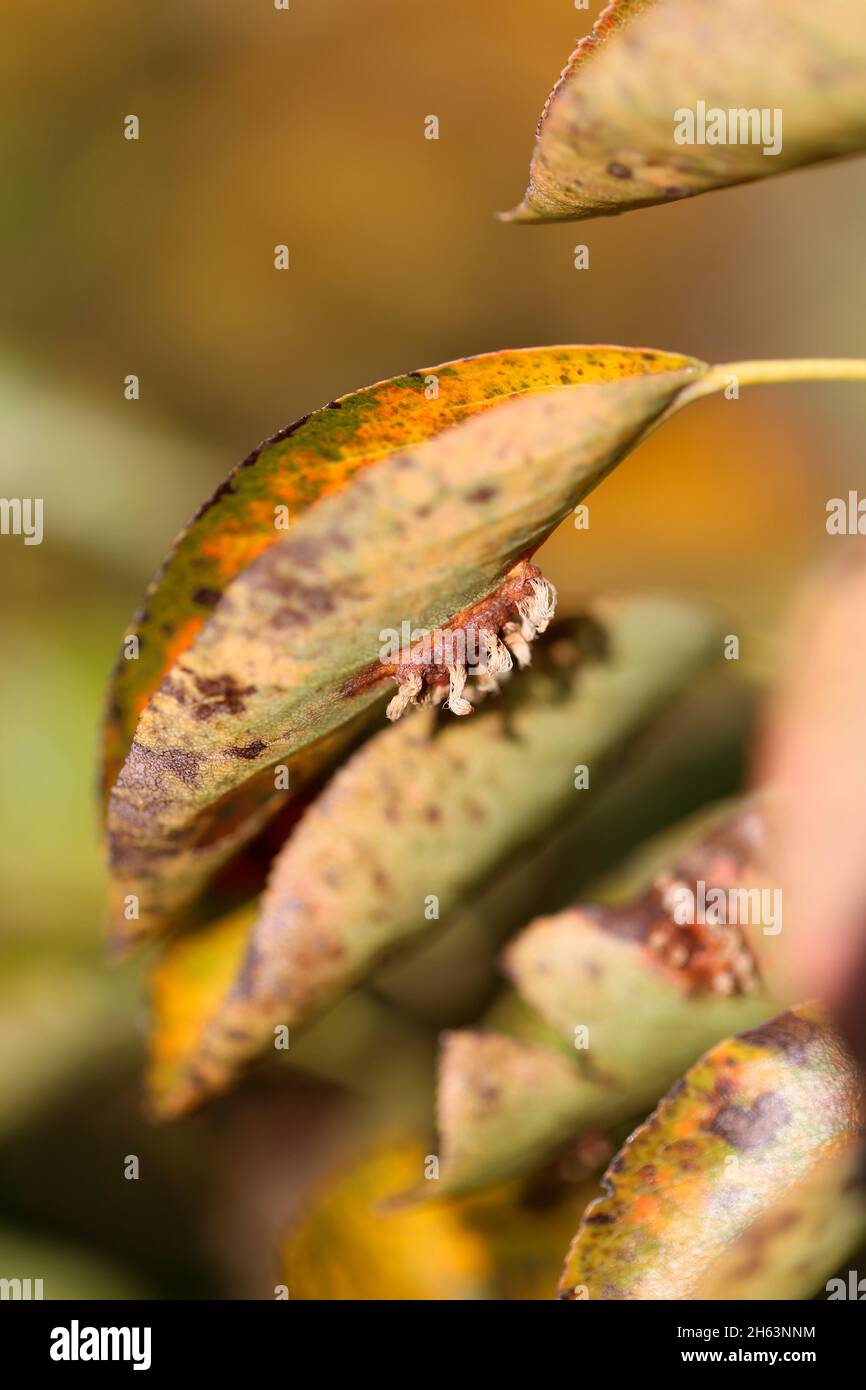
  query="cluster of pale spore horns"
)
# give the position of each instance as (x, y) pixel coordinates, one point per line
(420, 681)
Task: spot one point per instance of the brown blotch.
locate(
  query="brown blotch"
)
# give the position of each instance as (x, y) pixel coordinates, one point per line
(619, 171)
(313, 598)
(220, 695)
(306, 550)
(752, 1127)
(488, 613)
(144, 765)
(789, 1033)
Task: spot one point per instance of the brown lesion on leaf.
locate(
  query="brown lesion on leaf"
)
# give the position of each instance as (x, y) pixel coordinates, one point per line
(752, 1127)
(174, 691)
(250, 751)
(790, 1033)
(313, 599)
(144, 767)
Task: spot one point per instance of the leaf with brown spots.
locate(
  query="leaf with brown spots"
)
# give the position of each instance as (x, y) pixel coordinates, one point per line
(606, 139)
(426, 809)
(351, 1243)
(308, 460)
(596, 995)
(286, 670)
(741, 1184)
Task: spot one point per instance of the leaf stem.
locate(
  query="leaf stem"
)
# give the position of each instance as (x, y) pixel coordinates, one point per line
(766, 373)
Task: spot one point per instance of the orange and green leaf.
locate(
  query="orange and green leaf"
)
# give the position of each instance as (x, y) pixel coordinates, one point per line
(741, 1184)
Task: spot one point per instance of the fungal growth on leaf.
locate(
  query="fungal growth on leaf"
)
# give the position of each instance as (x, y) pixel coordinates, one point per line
(270, 806)
(667, 99)
(481, 641)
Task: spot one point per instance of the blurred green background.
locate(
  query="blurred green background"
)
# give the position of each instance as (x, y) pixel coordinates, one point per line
(156, 258)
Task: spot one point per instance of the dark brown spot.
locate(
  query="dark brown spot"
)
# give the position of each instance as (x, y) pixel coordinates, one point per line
(619, 171)
(290, 617)
(285, 433)
(252, 750)
(306, 550)
(173, 690)
(227, 487)
(208, 598)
